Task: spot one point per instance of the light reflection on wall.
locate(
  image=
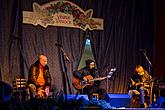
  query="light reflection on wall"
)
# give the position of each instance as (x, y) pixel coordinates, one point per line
(87, 53)
(88, 42)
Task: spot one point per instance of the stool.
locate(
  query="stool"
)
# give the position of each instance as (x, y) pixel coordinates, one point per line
(95, 96)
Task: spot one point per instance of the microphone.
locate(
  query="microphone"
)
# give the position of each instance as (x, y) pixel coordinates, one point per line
(142, 50)
(59, 45)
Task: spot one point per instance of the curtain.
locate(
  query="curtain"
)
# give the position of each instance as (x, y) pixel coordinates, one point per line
(38, 40)
(73, 42)
(128, 27)
(9, 40)
(56, 43)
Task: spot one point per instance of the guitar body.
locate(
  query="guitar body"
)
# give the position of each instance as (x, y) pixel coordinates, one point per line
(79, 84)
(137, 85)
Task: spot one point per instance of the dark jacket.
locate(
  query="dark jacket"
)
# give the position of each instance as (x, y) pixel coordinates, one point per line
(34, 72)
(85, 72)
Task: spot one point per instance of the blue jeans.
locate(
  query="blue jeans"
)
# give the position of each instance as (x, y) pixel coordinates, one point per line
(143, 92)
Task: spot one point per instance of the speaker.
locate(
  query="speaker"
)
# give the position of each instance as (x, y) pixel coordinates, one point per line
(5, 91)
(118, 100)
(160, 102)
(76, 96)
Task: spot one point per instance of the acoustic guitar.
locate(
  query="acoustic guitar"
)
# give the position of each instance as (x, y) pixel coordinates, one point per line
(80, 84)
(138, 84)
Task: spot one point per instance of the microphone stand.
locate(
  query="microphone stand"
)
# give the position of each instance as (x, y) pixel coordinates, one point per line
(65, 77)
(149, 69)
(107, 81)
(66, 58)
(109, 73)
(149, 62)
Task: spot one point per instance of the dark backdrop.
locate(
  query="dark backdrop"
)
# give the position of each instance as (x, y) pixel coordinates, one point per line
(128, 27)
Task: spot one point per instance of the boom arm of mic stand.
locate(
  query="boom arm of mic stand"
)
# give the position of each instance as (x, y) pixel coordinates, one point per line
(65, 54)
(147, 59)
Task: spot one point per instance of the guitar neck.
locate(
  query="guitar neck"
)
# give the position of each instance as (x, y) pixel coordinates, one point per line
(98, 79)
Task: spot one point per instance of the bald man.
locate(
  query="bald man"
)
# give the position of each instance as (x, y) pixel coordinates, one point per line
(39, 78)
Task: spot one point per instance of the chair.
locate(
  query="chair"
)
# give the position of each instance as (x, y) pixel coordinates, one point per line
(20, 89)
(135, 100)
(151, 91)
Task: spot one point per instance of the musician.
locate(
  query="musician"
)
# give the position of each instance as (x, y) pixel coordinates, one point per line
(139, 84)
(39, 78)
(84, 73)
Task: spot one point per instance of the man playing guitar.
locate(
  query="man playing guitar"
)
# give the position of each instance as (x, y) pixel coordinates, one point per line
(90, 80)
(139, 84)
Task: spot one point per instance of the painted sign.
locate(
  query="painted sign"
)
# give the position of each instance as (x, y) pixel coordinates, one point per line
(62, 13)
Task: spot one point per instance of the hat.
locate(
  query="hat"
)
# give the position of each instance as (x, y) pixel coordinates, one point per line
(88, 61)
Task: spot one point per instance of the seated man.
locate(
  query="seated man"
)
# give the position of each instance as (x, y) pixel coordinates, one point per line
(39, 78)
(139, 84)
(87, 74)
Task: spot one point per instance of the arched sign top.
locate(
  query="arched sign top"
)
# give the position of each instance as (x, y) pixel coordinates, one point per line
(62, 13)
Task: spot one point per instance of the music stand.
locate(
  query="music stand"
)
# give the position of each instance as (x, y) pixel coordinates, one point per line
(112, 70)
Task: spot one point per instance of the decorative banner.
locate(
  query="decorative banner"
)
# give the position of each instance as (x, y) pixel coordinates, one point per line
(62, 13)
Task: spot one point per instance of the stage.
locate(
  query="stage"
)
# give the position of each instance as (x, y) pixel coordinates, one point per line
(78, 102)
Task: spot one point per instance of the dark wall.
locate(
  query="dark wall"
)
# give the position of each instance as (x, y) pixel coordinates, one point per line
(160, 39)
